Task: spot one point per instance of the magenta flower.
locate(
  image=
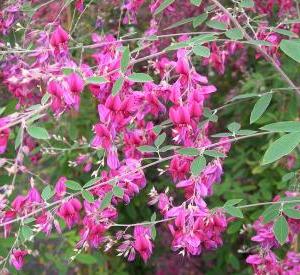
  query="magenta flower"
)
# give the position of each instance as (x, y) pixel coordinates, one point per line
(142, 243)
(75, 83)
(59, 39)
(4, 135)
(60, 188)
(70, 212)
(79, 5)
(17, 258)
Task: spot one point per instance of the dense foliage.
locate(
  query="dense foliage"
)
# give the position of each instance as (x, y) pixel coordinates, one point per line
(149, 137)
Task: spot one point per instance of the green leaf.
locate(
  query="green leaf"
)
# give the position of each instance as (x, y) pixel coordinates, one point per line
(282, 126)
(291, 212)
(285, 32)
(91, 182)
(180, 23)
(288, 176)
(147, 149)
(234, 127)
(232, 202)
(233, 211)
(160, 140)
(118, 191)
(67, 71)
(260, 107)
(26, 232)
(106, 200)
(281, 229)
(234, 34)
(271, 213)
(2, 109)
(38, 132)
(47, 193)
(215, 24)
(247, 4)
(198, 165)
(73, 185)
(179, 45)
(96, 80)
(167, 148)
(18, 138)
(153, 217)
(153, 232)
(245, 132)
(125, 59)
(214, 154)
(291, 48)
(201, 51)
(163, 6)
(29, 220)
(188, 151)
(88, 196)
(198, 20)
(157, 129)
(243, 96)
(45, 98)
(117, 86)
(260, 43)
(234, 227)
(86, 259)
(196, 2)
(140, 77)
(281, 147)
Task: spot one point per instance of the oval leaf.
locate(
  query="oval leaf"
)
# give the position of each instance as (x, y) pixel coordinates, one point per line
(188, 151)
(233, 211)
(38, 132)
(88, 196)
(260, 107)
(163, 6)
(291, 48)
(234, 34)
(73, 185)
(281, 147)
(140, 77)
(281, 229)
(215, 24)
(197, 165)
(96, 80)
(201, 51)
(283, 126)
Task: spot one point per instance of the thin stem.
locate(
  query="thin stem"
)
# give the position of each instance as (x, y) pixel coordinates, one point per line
(142, 223)
(114, 179)
(258, 47)
(266, 203)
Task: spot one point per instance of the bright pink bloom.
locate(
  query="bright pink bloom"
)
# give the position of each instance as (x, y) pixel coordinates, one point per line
(79, 5)
(142, 242)
(60, 187)
(4, 135)
(70, 212)
(17, 258)
(75, 83)
(59, 39)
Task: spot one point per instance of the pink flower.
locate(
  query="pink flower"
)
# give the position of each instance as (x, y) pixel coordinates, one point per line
(142, 243)
(59, 38)
(79, 5)
(4, 135)
(60, 187)
(17, 258)
(75, 83)
(69, 211)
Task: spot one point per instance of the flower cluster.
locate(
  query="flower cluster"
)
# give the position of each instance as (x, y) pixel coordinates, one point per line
(139, 110)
